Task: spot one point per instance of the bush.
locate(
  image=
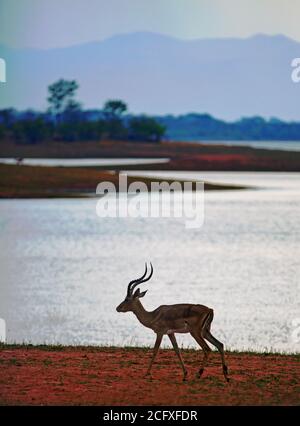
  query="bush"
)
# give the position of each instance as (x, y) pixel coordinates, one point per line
(145, 128)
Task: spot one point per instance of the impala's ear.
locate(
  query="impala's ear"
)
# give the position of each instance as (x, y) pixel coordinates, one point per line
(139, 294)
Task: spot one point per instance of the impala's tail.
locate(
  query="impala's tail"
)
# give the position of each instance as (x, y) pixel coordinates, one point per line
(208, 320)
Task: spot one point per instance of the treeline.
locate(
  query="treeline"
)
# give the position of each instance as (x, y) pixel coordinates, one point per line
(205, 127)
(65, 120)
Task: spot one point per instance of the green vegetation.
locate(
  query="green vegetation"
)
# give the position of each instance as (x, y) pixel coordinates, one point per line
(66, 121)
(145, 128)
(196, 126)
(61, 98)
(137, 349)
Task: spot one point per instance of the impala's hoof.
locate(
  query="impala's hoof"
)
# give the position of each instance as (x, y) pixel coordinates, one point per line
(200, 372)
(185, 376)
(225, 372)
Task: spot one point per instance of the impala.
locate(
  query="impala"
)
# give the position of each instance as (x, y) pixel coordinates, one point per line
(171, 319)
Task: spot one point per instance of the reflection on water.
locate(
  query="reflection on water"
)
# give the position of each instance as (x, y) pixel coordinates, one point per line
(64, 270)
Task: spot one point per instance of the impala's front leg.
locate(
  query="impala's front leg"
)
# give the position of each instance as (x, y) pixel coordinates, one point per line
(155, 350)
(177, 350)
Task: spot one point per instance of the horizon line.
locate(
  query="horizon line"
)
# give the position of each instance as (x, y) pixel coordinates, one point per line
(153, 33)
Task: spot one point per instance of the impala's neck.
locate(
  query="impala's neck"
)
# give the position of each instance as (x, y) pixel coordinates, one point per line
(142, 315)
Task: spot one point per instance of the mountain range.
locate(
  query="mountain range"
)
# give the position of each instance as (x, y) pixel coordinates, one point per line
(157, 74)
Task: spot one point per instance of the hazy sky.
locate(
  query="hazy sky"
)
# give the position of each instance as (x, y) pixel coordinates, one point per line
(57, 23)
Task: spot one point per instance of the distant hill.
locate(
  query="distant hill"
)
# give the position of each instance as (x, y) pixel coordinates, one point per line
(228, 78)
(205, 127)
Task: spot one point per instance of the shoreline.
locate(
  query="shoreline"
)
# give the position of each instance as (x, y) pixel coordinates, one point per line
(186, 156)
(21, 181)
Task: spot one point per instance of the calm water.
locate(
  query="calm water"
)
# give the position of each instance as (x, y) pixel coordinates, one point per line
(282, 145)
(64, 270)
(80, 162)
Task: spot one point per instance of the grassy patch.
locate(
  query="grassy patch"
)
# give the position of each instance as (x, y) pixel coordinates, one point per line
(135, 349)
(52, 182)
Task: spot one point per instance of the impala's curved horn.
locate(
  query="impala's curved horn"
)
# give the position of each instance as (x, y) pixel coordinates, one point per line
(148, 278)
(136, 282)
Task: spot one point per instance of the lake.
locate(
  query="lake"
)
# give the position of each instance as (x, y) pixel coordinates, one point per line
(85, 162)
(281, 145)
(64, 270)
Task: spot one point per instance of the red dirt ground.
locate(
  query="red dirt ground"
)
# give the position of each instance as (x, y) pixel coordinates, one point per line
(114, 376)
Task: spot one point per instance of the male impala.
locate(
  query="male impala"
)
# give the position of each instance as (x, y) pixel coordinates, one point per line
(171, 319)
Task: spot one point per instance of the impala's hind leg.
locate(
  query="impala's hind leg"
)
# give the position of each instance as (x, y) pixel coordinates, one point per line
(208, 336)
(206, 351)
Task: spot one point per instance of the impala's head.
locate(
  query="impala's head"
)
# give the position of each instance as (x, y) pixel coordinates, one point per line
(132, 297)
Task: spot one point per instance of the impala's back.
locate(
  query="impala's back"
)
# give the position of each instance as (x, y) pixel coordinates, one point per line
(181, 318)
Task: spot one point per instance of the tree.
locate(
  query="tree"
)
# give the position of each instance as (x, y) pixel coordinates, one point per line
(31, 131)
(61, 96)
(7, 116)
(2, 132)
(114, 108)
(145, 128)
(72, 111)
